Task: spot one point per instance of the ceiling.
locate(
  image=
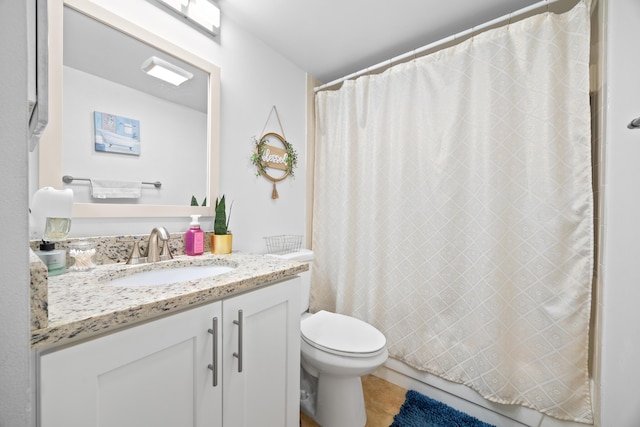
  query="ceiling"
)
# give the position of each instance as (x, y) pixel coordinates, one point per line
(333, 38)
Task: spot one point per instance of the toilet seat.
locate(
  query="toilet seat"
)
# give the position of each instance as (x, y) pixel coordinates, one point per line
(342, 335)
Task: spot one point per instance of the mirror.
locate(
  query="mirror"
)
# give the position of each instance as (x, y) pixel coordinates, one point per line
(96, 79)
(37, 72)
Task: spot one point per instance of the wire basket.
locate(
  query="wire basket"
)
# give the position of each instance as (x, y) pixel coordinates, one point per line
(283, 244)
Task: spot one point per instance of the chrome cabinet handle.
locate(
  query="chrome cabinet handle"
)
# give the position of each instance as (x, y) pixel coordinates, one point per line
(238, 355)
(214, 366)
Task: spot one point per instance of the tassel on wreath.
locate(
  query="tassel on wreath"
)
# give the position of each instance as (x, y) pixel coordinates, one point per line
(274, 193)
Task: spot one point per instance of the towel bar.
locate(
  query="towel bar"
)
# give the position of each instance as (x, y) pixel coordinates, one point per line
(67, 179)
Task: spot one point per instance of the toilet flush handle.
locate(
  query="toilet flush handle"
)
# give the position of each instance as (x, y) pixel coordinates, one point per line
(238, 355)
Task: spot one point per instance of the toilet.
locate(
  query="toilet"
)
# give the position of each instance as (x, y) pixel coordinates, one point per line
(336, 351)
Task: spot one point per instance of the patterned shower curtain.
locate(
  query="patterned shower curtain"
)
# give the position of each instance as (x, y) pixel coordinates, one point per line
(453, 210)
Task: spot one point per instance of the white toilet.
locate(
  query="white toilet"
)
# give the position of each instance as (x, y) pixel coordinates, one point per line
(336, 350)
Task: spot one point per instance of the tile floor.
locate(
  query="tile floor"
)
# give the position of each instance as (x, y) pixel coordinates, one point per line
(382, 401)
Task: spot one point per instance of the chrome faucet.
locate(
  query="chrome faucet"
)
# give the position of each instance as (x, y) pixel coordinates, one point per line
(154, 251)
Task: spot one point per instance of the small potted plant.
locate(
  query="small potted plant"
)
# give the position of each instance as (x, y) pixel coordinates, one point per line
(221, 239)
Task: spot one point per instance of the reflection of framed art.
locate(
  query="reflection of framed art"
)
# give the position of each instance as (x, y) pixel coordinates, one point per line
(116, 134)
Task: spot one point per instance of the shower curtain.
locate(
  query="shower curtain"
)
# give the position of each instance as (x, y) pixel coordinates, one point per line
(453, 210)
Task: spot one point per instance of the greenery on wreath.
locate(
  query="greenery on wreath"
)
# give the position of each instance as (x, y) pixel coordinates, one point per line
(256, 157)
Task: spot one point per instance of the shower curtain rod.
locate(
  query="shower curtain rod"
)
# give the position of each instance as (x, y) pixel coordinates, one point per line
(415, 52)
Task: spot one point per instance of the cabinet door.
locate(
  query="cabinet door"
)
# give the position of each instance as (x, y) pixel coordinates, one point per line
(262, 381)
(155, 374)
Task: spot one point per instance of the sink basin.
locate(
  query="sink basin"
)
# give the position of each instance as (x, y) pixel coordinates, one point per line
(169, 275)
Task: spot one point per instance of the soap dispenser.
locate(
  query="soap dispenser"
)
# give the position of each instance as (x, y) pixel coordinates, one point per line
(194, 238)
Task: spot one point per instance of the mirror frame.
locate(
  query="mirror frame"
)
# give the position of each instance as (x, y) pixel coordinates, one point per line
(50, 150)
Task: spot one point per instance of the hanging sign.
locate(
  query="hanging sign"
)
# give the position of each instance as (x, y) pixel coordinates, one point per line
(273, 157)
(274, 162)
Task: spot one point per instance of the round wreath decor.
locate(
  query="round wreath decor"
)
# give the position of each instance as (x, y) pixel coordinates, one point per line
(291, 159)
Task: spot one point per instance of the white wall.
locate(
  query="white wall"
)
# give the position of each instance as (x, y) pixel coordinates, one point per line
(621, 279)
(253, 79)
(15, 368)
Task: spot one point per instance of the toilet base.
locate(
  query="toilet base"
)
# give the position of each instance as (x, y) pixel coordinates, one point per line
(339, 402)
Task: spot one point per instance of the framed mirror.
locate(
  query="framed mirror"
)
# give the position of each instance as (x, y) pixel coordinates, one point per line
(97, 78)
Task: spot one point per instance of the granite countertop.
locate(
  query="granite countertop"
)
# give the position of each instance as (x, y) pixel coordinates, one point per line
(81, 304)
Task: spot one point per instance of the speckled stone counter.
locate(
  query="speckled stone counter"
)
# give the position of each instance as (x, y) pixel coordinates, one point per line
(82, 304)
(38, 287)
(109, 250)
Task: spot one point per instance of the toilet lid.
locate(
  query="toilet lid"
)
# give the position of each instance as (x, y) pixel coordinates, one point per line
(340, 333)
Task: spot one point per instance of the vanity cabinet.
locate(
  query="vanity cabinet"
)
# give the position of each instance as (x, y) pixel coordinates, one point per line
(229, 363)
(153, 374)
(265, 390)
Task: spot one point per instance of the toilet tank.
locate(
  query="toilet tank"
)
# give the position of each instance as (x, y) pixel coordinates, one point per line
(303, 255)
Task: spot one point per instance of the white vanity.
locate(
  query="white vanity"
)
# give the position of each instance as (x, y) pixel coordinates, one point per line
(218, 351)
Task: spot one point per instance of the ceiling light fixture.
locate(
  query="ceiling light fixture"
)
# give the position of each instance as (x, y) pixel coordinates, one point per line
(204, 15)
(177, 4)
(161, 69)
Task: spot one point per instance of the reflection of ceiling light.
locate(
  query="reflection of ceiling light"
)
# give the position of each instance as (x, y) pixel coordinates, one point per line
(166, 71)
(201, 14)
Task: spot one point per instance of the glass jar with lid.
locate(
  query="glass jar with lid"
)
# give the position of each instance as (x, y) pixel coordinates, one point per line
(83, 253)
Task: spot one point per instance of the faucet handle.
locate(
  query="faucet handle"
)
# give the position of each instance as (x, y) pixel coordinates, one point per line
(165, 253)
(135, 257)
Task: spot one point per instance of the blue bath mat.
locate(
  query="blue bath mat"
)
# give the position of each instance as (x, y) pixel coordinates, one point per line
(419, 410)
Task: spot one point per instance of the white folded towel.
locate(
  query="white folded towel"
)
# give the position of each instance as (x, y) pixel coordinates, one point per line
(113, 189)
